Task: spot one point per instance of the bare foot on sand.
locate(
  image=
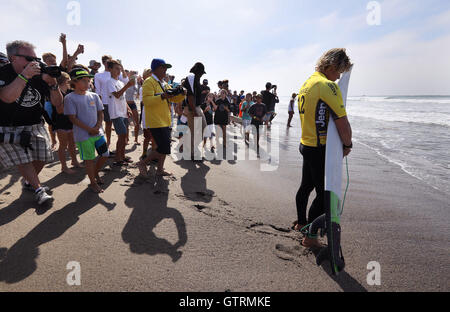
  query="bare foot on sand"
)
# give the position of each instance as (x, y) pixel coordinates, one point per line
(311, 243)
(142, 169)
(68, 171)
(77, 165)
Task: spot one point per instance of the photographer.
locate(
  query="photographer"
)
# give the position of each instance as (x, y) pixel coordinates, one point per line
(270, 99)
(24, 141)
(156, 96)
(194, 101)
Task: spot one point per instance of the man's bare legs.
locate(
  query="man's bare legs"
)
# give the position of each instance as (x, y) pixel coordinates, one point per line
(30, 173)
(108, 129)
(63, 146)
(154, 155)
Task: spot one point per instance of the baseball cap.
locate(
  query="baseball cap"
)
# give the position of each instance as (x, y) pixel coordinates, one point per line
(93, 63)
(78, 73)
(159, 62)
(198, 68)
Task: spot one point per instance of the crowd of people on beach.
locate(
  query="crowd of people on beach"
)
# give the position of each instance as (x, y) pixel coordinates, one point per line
(82, 105)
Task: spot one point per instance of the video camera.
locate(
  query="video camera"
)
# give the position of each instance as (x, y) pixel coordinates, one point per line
(52, 71)
(175, 91)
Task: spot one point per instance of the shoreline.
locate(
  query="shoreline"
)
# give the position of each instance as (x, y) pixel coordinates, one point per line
(220, 226)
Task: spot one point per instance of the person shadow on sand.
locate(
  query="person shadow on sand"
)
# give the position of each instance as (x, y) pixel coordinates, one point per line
(19, 262)
(149, 209)
(193, 183)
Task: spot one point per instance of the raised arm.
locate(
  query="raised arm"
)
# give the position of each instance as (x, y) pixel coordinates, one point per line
(65, 58)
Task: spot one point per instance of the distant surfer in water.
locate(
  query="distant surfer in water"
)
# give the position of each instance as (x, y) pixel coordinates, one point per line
(319, 99)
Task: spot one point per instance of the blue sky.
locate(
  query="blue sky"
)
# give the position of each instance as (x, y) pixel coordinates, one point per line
(251, 42)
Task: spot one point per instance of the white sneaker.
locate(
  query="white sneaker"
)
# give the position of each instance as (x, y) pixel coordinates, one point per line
(27, 186)
(42, 197)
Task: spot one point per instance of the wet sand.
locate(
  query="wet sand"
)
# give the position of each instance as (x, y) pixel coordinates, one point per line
(221, 225)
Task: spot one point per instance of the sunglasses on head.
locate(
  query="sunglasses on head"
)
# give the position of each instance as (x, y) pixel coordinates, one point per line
(30, 58)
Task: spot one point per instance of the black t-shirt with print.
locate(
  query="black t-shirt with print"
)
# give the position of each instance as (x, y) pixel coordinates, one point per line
(257, 110)
(29, 111)
(221, 115)
(208, 114)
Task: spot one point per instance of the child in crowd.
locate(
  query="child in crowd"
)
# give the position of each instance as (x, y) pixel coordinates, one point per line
(208, 109)
(246, 118)
(222, 114)
(119, 111)
(130, 96)
(257, 113)
(64, 128)
(85, 111)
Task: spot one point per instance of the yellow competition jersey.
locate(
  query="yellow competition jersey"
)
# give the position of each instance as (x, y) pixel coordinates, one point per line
(318, 98)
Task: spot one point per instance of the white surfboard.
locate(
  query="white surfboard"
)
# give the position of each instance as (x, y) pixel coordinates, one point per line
(334, 150)
(333, 188)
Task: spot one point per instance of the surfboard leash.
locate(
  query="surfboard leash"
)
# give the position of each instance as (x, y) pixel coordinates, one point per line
(346, 189)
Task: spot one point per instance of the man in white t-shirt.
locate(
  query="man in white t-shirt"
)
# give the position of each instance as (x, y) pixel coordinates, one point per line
(100, 81)
(118, 108)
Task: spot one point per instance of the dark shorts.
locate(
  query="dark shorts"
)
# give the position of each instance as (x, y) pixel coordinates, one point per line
(132, 106)
(106, 117)
(120, 125)
(162, 137)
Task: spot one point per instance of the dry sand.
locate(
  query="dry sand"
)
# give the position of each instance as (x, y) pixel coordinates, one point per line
(218, 226)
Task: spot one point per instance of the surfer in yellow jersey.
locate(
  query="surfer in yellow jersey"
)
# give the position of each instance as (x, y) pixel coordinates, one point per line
(319, 99)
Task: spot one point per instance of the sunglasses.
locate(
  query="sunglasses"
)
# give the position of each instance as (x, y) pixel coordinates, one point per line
(29, 58)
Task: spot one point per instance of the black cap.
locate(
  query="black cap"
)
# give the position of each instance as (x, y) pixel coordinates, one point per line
(78, 73)
(198, 68)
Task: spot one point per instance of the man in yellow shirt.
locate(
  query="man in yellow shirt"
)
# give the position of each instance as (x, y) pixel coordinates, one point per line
(319, 99)
(157, 115)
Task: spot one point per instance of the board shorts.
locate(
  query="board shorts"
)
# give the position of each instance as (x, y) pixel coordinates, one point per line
(268, 116)
(162, 137)
(209, 131)
(106, 117)
(132, 106)
(121, 125)
(87, 148)
(245, 124)
(14, 154)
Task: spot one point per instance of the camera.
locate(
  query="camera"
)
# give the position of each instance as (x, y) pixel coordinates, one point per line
(175, 91)
(274, 87)
(52, 71)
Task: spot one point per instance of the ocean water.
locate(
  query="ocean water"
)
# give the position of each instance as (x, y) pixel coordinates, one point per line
(412, 132)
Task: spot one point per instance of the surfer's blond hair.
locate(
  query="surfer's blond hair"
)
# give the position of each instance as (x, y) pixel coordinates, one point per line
(337, 57)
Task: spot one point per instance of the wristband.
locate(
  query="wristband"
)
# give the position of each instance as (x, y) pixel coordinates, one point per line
(22, 77)
(350, 146)
(54, 88)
